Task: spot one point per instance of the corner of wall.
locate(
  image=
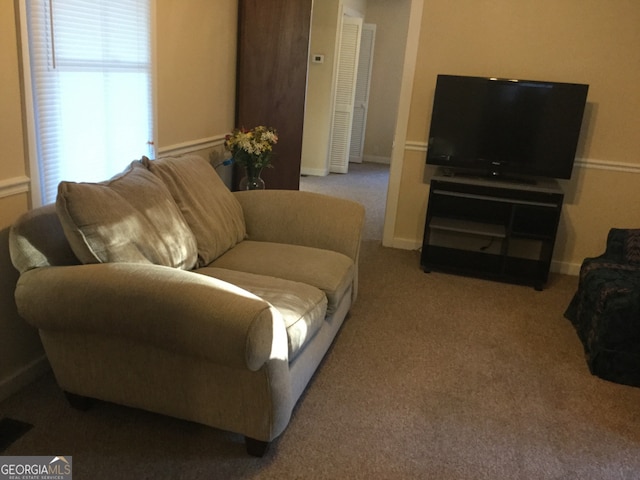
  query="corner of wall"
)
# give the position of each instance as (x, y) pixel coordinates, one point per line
(21, 352)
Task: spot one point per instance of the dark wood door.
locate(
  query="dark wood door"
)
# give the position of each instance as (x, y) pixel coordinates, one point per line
(273, 45)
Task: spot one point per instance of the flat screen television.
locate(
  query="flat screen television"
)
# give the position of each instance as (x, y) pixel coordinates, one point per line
(506, 128)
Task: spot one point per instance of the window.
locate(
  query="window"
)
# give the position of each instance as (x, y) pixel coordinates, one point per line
(90, 75)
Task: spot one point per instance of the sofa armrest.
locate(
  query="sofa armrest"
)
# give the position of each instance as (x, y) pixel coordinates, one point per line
(168, 308)
(615, 244)
(623, 245)
(303, 218)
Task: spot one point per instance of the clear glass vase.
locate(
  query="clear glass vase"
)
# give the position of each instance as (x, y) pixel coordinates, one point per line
(252, 180)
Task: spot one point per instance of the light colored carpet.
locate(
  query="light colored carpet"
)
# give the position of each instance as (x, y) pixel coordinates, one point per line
(432, 376)
(365, 183)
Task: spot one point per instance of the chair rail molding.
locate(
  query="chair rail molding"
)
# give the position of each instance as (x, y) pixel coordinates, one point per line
(607, 165)
(415, 146)
(192, 146)
(14, 186)
(580, 162)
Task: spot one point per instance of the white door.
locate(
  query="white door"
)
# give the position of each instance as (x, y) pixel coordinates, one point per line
(346, 76)
(361, 103)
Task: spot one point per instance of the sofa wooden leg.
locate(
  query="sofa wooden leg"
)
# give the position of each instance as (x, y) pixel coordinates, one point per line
(256, 448)
(78, 401)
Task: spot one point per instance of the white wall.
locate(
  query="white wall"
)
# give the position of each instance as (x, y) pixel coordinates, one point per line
(386, 76)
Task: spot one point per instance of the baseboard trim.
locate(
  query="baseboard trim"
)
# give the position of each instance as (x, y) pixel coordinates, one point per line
(405, 244)
(191, 146)
(314, 172)
(377, 159)
(565, 268)
(23, 377)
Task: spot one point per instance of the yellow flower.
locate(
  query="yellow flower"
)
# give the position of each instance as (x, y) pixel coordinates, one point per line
(252, 148)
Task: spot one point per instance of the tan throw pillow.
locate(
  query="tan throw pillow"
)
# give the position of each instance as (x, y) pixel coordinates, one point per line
(130, 218)
(213, 213)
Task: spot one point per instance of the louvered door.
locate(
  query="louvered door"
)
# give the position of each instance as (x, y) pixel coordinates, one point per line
(361, 103)
(346, 77)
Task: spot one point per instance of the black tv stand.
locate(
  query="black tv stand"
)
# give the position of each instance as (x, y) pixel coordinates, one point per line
(499, 177)
(502, 231)
(491, 176)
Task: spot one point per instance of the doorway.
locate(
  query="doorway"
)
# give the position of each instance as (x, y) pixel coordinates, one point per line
(366, 183)
(391, 20)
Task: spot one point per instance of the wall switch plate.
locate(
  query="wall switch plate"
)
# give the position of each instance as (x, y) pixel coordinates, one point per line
(318, 58)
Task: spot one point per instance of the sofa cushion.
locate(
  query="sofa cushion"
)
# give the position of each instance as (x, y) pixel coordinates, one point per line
(37, 239)
(210, 209)
(130, 218)
(302, 307)
(329, 271)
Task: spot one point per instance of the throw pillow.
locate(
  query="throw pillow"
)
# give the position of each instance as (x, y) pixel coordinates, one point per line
(130, 218)
(213, 213)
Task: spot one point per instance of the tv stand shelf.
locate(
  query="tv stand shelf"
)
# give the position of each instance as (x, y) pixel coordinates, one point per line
(492, 229)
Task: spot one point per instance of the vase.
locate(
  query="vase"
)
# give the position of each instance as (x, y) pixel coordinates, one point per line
(252, 180)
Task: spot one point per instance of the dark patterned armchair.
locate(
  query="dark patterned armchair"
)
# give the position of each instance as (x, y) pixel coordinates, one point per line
(605, 310)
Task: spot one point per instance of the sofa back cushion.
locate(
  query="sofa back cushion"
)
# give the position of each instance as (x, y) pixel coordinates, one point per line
(37, 240)
(130, 218)
(213, 213)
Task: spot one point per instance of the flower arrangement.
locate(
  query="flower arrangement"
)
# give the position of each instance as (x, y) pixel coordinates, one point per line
(252, 149)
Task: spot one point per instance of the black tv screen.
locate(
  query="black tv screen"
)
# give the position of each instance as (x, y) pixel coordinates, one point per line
(500, 127)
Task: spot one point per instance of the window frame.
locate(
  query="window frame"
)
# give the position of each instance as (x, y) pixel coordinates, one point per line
(31, 143)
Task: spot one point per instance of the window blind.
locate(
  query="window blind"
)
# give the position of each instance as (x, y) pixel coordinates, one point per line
(91, 80)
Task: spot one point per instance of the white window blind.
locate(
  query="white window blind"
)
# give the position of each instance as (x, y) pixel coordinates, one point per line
(91, 80)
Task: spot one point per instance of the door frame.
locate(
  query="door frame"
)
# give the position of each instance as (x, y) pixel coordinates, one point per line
(370, 27)
(400, 137)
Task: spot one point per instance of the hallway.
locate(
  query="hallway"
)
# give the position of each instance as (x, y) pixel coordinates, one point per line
(365, 183)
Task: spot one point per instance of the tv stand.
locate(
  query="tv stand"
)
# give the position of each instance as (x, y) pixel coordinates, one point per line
(514, 179)
(491, 176)
(502, 231)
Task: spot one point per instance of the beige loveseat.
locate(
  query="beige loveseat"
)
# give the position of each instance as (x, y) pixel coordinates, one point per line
(162, 290)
